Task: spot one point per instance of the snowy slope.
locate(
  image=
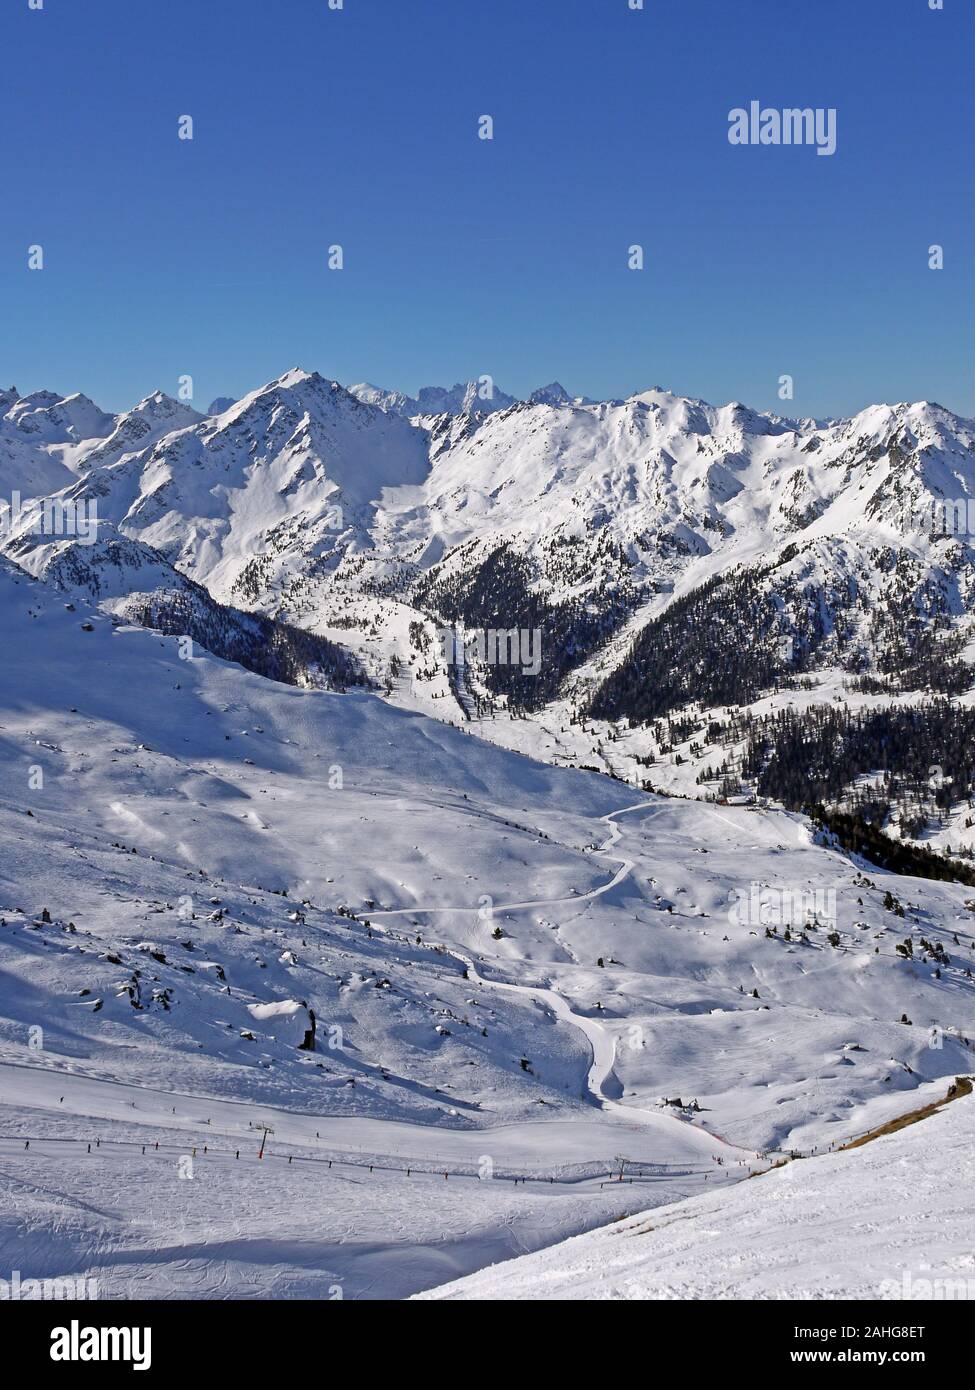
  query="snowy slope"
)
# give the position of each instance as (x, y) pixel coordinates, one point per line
(507, 962)
(155, 983)
(819, 1229)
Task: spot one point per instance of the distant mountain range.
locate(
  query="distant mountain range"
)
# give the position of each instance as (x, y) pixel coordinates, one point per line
(465, 398)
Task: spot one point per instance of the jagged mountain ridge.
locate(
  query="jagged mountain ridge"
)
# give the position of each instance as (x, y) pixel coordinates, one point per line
(592, 522)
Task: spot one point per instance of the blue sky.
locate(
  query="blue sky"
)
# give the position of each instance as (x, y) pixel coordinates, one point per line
(359, 127)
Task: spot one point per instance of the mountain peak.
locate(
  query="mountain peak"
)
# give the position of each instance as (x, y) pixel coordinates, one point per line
(297, 376)
(552, 394)
(159, 399)
(158, 411)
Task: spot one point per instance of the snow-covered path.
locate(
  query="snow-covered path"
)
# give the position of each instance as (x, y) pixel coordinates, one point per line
(601, 1077)
(581, 1148)
(623, 872)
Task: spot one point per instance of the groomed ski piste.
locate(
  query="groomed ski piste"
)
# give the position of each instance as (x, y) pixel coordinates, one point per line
(810, 1230)
(526, 983)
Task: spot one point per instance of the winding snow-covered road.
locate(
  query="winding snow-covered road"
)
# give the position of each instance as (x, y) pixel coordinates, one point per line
(601, 1077)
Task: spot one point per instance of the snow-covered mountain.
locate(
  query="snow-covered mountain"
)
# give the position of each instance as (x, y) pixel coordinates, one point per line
(465, 398)
(140, 427)
(672, 555)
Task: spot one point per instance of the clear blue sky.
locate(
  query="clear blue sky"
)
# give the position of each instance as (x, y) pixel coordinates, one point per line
(359, 127)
